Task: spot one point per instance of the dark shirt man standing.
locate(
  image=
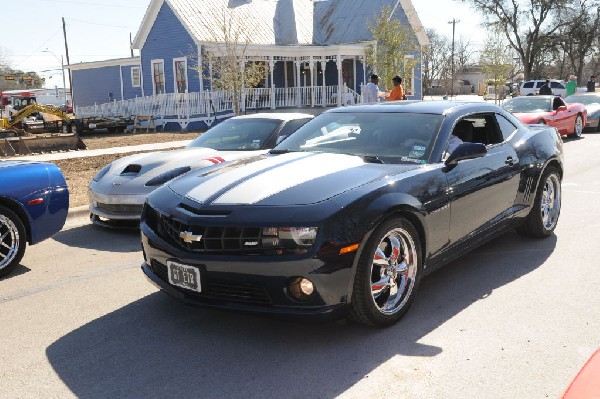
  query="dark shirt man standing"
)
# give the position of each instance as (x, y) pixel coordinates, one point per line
(545, 90)
(591, 84)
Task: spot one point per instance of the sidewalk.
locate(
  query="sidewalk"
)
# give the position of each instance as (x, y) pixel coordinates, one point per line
(103, 151)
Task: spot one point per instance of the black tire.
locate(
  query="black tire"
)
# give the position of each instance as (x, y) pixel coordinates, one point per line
(13, 240)
(545, 211)
(578, 127)
(379, 273)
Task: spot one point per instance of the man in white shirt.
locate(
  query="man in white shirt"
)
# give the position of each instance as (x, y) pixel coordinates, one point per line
(372, 92)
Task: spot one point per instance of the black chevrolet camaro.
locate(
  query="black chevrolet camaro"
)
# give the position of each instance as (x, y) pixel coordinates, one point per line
(345, 216)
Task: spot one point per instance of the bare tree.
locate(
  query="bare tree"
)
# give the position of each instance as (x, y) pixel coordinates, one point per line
(225, 58)
(393, 41)
(435, 58)
(579, 34)
(528, 24)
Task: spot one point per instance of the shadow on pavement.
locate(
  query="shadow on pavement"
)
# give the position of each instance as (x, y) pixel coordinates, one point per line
(157, 347)
(93, 237)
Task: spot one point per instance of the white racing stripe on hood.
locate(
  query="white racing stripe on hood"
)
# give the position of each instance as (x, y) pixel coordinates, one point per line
(223, 180)
(279, 179)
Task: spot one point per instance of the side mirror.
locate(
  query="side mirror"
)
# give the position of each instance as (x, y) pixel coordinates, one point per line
(466, 151)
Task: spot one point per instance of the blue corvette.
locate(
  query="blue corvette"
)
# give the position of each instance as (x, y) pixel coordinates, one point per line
(34, 201)
(346, 215)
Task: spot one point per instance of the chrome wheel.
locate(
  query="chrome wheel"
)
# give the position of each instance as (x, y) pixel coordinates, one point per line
(9, 242)
(550, 203)
(393, 271)
(387, 274)
(578, 129)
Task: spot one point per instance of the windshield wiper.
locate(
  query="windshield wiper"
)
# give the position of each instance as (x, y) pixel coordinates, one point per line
(371, 159)
(280, 151)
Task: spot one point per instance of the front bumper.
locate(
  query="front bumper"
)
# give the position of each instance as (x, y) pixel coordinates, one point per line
(116, 206)
(256, 284)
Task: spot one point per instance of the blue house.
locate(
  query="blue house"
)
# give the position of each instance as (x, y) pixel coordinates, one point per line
(315, 49)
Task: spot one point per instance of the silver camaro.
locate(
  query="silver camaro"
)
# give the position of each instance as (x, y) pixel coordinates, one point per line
(118, 191)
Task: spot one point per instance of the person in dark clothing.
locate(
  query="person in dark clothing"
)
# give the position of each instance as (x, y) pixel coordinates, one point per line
(591, 84)
(545, 90)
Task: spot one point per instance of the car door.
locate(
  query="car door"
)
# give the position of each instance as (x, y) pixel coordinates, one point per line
(564, 118)
(483, 190)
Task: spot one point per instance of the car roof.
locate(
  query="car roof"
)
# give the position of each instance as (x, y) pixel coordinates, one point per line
(284, 116)
(424, 107)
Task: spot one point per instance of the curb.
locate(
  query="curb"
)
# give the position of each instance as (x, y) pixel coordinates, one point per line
(78, 211)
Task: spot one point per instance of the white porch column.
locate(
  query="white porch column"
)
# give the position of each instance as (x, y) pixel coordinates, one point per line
(297, 89)
(354, 66)
(271, 69)
(324, 89)
(243, 93)
(338, 62)
(312, 81)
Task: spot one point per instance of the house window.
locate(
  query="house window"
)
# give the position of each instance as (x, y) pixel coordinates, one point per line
(180, 68)
(158, 76)
(135, 77)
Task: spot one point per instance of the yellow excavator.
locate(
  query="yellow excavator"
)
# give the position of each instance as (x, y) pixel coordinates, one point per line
(16, 137)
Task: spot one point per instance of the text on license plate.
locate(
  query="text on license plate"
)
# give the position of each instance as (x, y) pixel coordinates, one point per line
(184, 276)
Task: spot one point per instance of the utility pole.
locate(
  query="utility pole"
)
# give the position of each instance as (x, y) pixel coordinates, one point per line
(68, 61)
(453, 22)
(130, 45)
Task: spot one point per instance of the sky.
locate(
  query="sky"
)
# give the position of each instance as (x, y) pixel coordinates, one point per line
(100, 29)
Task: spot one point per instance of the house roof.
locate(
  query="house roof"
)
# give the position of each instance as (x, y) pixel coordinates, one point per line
(278, 22)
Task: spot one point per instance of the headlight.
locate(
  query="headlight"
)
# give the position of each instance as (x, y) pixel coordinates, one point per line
(289, 237)
(102, 172)
(165, 177)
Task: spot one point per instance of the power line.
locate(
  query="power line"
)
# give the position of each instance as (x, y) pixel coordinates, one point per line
(82, 3)
(99, 24)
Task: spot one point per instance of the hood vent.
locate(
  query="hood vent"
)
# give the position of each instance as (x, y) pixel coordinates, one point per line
(208, 213)
(131, 169)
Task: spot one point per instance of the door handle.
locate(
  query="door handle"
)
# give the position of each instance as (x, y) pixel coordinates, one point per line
(510, 161)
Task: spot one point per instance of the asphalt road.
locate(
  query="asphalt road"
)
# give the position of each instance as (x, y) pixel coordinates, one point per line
(516, 318)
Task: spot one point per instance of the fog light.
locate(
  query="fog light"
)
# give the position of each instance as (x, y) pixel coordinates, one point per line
(301, 288)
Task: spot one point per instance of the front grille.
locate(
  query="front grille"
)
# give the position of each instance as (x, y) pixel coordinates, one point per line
(215, 240)
(221, 290)
(120, 208)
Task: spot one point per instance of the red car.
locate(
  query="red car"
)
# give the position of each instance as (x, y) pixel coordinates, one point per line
(567, 118)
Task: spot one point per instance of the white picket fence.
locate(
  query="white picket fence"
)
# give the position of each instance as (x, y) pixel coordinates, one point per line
(185, 108)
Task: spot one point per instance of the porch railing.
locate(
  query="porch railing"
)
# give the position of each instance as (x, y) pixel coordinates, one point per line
(181, 106)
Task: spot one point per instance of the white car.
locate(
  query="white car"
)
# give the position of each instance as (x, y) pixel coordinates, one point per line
(118, 191)
(532, 87)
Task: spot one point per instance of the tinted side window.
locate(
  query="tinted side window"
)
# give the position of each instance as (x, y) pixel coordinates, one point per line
(556, 85)
(527, 85)
(506, 127)
(539, 84)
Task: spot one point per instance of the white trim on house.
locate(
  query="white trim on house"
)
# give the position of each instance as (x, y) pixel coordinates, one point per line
(415, 22)
(139, 78)
(152, 63)
(135, 61)
(121, 82)
(147, 23)
(187, 83)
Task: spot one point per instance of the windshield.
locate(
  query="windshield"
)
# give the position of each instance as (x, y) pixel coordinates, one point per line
(238, 134)
(583, 99)
(528, 104)
(378, 137)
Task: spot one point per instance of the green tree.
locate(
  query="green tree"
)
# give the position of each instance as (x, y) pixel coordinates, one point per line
(393, 41)
(496, 61)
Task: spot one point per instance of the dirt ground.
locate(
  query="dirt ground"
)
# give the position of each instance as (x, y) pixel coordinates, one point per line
(79, 171)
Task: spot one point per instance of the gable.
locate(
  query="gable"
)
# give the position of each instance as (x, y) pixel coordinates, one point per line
(343, 21)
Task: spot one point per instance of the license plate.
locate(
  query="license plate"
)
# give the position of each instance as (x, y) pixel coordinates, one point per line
(184, 276)
(92, 126)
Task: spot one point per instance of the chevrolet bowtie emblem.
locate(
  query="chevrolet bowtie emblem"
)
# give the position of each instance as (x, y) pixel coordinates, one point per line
(190, 237)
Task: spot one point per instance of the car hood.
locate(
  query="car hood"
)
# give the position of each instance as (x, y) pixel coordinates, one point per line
(129, 175)
(283, 180)
(593, 108)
